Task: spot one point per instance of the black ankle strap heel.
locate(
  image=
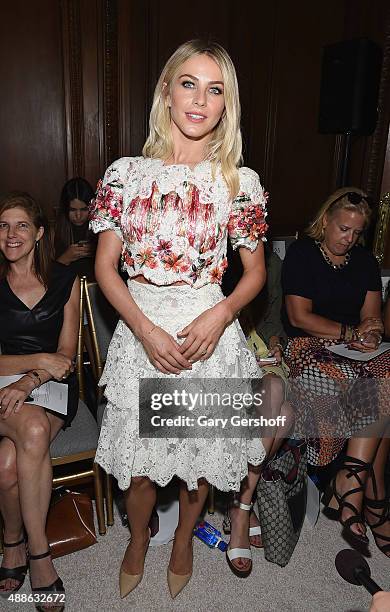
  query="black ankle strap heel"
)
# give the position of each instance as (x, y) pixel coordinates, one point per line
(56, 588)
(13, 573)
(353, 466)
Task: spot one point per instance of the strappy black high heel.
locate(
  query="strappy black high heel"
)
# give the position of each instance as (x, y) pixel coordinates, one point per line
(353, 466)
(13, 573)
(56, 589)
(378, 504)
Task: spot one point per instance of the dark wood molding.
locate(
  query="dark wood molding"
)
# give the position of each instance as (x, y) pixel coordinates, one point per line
(380, 136)
(73, 87)
(272, 104)
(134, 77)
(110, 81)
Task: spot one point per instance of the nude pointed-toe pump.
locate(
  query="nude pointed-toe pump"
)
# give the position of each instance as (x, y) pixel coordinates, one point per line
(128, 582)
(177, 582)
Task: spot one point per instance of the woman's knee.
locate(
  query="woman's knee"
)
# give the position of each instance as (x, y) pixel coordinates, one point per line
(34, 434)
(8, 473)
(288, 415)
(140, 483)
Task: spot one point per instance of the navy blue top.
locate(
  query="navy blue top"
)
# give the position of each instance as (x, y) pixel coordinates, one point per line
(336, 294)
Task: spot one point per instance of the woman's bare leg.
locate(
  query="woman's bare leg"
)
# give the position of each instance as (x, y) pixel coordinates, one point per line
(239, 537)
(376, 490)
(10, 511)
(274, 406)
(191, 505)
(140, 499)
(31, 431)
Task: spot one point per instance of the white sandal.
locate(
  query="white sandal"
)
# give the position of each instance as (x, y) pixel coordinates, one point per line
(243, 553)
(253, 531)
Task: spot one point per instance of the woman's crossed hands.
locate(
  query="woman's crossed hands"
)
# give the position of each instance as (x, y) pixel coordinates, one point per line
(201, 337)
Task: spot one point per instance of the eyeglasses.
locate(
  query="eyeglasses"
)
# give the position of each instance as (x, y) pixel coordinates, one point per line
(354, 198)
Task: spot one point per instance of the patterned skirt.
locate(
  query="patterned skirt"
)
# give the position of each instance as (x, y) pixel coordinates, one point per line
(333, 397)
(223, 462)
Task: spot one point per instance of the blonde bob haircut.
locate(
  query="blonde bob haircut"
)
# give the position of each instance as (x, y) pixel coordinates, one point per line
(225, 146)
(345, 198)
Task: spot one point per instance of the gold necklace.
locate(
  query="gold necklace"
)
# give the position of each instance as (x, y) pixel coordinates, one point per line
(328, 259)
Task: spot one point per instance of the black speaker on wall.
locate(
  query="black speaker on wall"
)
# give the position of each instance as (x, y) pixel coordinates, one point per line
(349, 87)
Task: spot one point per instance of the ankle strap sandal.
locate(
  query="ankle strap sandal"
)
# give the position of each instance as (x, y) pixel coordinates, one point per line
(56, 589)
(13, 573)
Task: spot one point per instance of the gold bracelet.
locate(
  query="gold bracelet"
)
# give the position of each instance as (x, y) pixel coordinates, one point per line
(150, 330)
(351, 334)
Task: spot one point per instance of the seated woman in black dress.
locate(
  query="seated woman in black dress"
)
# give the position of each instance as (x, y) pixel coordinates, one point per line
(332, 291)
(74, 243)
(39, 317)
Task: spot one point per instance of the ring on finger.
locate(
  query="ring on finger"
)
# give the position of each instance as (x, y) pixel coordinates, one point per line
(204, 352)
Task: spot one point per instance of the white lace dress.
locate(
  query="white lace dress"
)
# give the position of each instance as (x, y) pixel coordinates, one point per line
(174, 224)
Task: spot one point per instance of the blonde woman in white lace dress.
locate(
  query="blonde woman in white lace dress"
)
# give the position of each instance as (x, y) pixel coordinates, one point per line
(168, 215)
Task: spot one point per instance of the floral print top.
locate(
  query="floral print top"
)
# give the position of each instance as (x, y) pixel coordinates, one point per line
(174, 221)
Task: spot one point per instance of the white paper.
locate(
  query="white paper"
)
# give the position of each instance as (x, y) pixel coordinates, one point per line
(385, 286)
(51, 395)
(312, 503)
(344, 351)
(279, 247)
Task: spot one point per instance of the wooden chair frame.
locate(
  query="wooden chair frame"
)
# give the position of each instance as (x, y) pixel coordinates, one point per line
(382, 228)
(97, 361)
(95, 470)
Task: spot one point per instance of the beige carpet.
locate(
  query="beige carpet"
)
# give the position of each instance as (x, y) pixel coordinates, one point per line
(309, 583)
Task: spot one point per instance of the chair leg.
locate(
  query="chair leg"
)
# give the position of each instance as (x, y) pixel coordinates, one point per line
(1, 534)
(97, 481)
(109, 500)
(211, 500)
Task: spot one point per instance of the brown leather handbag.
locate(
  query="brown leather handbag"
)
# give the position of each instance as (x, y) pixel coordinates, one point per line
(69, 525)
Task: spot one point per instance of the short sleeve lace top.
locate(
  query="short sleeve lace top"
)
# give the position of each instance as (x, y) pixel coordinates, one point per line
(174, 221)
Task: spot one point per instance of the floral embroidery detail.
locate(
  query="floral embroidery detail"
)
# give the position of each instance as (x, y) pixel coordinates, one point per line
(127, 258)
(176, 263)
(174, 221)
(247, 222)
(217, 273)
(147, 258)
(107, 203)
(164, 248)
(196, 270)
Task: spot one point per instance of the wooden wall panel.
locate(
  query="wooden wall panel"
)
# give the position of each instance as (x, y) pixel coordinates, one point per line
(32, 127)
(73, 87)
(80, 86)
(92, 75)
(133, 64)
(301, 166)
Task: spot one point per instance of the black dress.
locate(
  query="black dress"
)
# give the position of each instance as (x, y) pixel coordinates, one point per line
(25, 331)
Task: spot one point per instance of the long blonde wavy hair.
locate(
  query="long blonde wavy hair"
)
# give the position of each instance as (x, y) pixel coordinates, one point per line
(225, 146)
(339, 200)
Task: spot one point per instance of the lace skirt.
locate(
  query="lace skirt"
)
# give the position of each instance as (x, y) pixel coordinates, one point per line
(223, 462)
